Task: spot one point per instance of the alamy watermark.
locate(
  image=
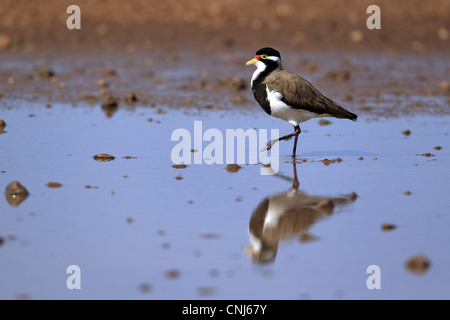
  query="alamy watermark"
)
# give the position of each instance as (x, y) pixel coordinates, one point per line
(235, 146)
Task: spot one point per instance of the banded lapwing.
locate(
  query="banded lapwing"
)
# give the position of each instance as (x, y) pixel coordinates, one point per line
(281, 217)
(288, 96)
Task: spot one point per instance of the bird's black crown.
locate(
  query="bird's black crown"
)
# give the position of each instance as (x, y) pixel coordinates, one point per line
(268, 51)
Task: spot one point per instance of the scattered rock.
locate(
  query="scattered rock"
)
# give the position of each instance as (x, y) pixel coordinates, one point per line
(107, 72)
(232, 167)
(44, 73)
(110, 105)
(418, 264)
(130, 97)
(178, 177)
(110, 101)
(89, 97)
(388, 226)
(407, 192)
(16, 193)
(102, 83)
(2, 124)
(129, 157)
(161, 111)
(130, 220)
(435, 148)
(406, 132)
(328, 161)
(102, 157)
(428, 155)
(179, 166)
(54, 185)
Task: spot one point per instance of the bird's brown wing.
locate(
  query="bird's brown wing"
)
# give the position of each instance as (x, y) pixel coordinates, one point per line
(299, 93)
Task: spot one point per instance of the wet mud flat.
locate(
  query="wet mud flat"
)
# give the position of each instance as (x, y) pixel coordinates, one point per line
(102, 193)
(87, 177)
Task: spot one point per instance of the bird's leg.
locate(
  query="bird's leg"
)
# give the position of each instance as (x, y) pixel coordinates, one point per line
(296, 133)
(272, 142)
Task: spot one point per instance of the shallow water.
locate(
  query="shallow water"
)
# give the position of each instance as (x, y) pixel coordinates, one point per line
(139, 232)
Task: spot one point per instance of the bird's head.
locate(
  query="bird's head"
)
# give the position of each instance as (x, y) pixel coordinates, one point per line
(266, 57)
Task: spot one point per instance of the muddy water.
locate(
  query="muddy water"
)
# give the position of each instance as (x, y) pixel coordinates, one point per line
(139, 228)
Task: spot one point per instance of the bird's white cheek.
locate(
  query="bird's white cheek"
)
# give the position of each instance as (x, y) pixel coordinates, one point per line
(260, 67)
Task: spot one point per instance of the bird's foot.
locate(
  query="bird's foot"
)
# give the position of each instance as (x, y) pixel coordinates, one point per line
(268, 146)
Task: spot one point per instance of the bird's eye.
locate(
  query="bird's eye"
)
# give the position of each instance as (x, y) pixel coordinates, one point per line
(264, 56)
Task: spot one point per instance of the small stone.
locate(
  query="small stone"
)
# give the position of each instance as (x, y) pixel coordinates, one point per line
(107, 72)
(102, 83)
(110, 101)
(130, 97)
(388, 226)
(179, 166)
(435, 148)
(2, 124)
(102, 157)
(407, 192)
(44, 73)
(54, 185)
(418, 264)
(89, 97)
(232, 167)
(406, 132)
(16, 193)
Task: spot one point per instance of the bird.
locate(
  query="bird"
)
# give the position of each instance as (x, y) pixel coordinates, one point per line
(288, 96)
(290, 214)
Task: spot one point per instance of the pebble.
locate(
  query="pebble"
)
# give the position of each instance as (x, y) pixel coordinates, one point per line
(232, 167)
(418, 264)
(102, 157)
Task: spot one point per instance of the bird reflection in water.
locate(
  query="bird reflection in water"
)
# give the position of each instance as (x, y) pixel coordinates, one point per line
(286, 215)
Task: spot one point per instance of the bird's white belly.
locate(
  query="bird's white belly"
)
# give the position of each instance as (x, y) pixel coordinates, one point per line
(281, 110)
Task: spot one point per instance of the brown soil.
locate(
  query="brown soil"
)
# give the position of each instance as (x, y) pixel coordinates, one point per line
(192, 53)
(215, 25)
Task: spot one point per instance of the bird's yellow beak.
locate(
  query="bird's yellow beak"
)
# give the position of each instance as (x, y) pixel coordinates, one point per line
(253, 61)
